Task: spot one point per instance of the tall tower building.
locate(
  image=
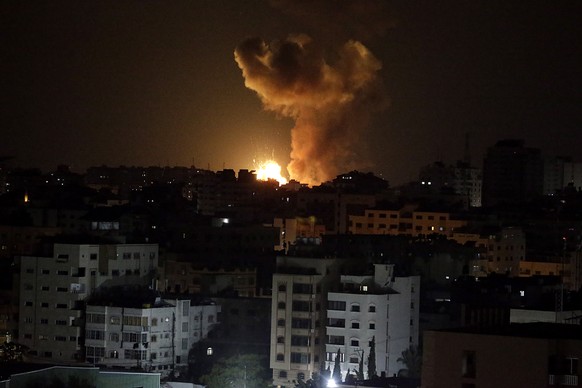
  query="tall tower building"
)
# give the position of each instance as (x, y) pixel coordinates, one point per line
(300, 287)
(511, 173)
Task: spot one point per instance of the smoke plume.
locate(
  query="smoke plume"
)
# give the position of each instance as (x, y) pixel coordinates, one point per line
(331, 103)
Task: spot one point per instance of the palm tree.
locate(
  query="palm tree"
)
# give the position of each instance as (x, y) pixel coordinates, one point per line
(412, 360)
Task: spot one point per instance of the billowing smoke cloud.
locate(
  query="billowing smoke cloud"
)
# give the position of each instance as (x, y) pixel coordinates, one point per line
(331, 103)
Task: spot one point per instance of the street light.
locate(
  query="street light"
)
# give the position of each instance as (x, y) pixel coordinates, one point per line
(331, 383)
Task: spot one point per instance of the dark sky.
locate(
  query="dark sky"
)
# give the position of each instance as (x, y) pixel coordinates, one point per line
(155, 82)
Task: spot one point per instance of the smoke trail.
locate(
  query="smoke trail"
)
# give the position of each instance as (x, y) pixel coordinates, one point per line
(330, 103)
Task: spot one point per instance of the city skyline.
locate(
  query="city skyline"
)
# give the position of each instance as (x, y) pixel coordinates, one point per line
(136, 83)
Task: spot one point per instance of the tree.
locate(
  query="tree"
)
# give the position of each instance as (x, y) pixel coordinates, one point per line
(360, 375)
(372, 359)
(242, 371)
(412, 360)
(337, 369)
(11, 351)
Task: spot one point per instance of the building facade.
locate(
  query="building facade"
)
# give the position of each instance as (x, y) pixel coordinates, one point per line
(53, 291)
(300, 287)
(154, 338)
(383, 309)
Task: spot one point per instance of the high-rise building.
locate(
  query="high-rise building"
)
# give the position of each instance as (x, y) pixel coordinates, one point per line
(300, 287)
(511, 173)
(381, 308)
(53, 292)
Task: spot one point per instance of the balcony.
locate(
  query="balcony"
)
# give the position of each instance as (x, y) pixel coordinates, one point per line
(563, 380)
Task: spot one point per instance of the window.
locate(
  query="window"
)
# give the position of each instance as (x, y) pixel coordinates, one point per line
(154, 321)
(336, 322)
(282, 288)
(335, 340)
(114, 337)
(113, 354)
(282, 374)
(95, 334)
(298, 323)
(354, 360)
(355, 325)
(28, 303)
(45, 271)
(92, 256)
(469, 367)
(355, 308)
(44, 321)
(114, 272)
(336, 305)
(44, 305)
(184, 343)
(299, 340)
(372, 326)
(372, 309)
(281, 322)
(355, 342)
(300, 358)
(60, 338)
(300, 305)
(184, 327)
(62, 272)
(135, 337)
(281, 305)
(29, 270)
(280, 340)
(45, 288)
(62, 306)
(302, 288)
(62, 289)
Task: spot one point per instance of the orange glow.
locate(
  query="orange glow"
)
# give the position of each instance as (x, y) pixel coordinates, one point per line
(270, 170)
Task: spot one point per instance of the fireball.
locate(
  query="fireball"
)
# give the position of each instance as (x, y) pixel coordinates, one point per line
(270, 170)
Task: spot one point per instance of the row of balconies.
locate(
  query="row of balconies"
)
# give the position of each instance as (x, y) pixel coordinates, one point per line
(563, 380)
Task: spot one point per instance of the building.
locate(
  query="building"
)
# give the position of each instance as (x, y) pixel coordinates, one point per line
(380, 308)
(533, 355)
(290, 229)
(184, 276)
(407, 220)
(80, 376)
(300, 287)
(507, 251)
(153, 337)
(53, 292)
(511, 173)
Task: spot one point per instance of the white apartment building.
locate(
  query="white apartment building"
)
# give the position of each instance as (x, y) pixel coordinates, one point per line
(300, 287)
(155, 337)
(53, 290)
(380, 308)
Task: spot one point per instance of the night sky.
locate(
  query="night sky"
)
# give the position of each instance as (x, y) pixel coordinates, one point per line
(156, 82)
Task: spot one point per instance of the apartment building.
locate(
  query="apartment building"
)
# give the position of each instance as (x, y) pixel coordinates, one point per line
(533, 355)
(300, 287)
(184, 276)
(155, 337)
(404, 221)
(53, 292)
(382, 308)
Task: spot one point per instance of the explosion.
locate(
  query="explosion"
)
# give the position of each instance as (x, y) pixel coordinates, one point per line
(331, 103)
(270, 170)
